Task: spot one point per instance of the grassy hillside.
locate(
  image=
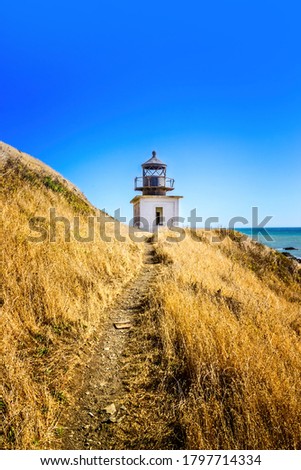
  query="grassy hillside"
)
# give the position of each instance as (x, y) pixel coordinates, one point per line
(229, 321)
(54, 294)
(219, 342)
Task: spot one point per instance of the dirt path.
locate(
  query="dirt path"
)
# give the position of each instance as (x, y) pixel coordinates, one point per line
(117, 406)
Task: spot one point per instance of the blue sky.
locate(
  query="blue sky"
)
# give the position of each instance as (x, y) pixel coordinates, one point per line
(91, 88)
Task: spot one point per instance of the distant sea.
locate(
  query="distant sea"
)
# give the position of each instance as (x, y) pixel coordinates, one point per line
(282, 238)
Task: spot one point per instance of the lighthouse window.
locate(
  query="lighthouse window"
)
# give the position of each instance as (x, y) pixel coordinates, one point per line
(159, 215)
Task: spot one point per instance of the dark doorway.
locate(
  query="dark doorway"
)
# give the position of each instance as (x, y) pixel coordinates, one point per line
(159, 215)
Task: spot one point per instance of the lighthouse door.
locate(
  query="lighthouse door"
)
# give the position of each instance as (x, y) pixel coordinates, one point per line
(159, 215)
(154, 181)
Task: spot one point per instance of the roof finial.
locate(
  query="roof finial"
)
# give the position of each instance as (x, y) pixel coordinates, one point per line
(154, 153)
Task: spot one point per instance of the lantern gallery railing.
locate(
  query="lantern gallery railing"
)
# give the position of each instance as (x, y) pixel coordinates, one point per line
(154, 182)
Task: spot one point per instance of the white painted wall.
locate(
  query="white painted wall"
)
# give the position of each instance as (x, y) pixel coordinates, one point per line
(145, 206)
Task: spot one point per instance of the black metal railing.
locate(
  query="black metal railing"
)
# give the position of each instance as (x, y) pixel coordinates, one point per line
(154, 182)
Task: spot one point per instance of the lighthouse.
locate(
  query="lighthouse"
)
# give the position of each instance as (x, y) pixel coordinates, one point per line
(154, 208)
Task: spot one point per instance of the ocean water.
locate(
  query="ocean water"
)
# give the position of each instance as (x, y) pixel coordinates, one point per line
(281, 238)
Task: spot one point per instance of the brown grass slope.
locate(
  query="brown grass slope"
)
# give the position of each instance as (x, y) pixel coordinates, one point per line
(223, 322)
(54, 295)
(229, 320)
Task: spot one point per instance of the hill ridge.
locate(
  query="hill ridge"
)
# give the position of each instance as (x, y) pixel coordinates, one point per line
(55, 294)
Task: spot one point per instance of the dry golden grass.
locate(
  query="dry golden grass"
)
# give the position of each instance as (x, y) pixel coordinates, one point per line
(54, 297)
(223, 325)
(229, 318)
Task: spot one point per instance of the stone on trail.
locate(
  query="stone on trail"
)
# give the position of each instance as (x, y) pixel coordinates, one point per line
(110, 409)
(122, 325)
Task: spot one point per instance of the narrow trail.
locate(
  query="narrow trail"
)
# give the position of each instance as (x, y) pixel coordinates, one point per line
(108, 413)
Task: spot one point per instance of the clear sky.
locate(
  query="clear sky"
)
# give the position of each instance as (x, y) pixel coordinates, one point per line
(91, 88)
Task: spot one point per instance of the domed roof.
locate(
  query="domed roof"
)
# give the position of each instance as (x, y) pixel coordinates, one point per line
(153, 162)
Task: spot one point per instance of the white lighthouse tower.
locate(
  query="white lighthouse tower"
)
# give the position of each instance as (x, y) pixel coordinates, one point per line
(154, 208)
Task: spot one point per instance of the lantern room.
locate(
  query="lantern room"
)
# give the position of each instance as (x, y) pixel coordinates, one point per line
(154, 181)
